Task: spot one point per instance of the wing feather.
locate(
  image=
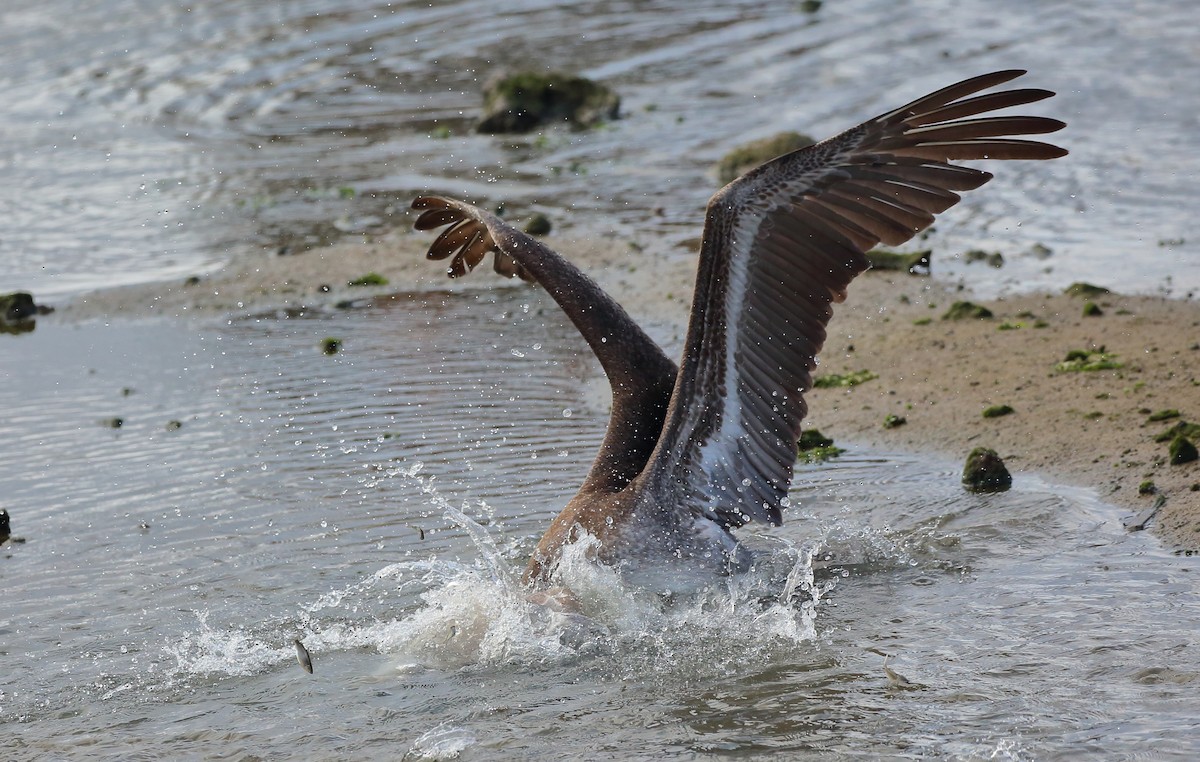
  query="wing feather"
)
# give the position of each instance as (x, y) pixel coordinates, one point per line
(781, 244)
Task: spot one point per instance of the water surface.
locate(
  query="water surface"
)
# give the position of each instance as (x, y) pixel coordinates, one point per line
(150, 140)
(379, 504)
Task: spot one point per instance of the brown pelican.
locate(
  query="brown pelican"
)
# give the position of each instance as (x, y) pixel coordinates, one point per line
(693, 452)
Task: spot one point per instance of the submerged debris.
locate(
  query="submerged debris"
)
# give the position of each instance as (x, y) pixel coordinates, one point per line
(750, 155)
(523, 101)
(967, 311)
(985, 472)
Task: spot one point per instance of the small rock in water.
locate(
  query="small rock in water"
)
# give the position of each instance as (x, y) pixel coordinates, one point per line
(302, 656)
(17, 312)
(985, 472)
(523, 101)
(539, 224)
(6, 529)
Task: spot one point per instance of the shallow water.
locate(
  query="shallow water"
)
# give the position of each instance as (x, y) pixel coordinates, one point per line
(379, 503)
(145, 140)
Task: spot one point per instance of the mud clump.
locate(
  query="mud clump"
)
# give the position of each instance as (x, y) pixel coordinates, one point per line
(746, 157)
(523, 101)
(985, 472)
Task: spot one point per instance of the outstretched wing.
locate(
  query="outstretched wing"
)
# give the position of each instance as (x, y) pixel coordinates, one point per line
(640, 374)
(780, 245)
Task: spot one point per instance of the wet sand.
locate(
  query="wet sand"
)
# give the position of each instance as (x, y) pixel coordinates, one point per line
(1090, 429)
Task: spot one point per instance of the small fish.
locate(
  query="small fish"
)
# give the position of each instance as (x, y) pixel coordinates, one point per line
(895, 679)
(302, 656)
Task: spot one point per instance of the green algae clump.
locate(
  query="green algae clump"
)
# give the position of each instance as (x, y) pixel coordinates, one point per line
(1091, 309)
(1162, 415)
(370, 279)
(911, 262)
(331, 345)
(985, 472)
(843, 380)
(967, 311)
(525, 100)
(750, 155)
(1180, 429)
(892, 421)
(996, 411)
(815, 447)
(1088, 360)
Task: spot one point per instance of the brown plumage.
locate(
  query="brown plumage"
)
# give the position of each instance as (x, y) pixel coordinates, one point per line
(690, 454)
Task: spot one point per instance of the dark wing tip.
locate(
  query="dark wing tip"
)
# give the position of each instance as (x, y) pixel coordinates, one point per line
(467, 239)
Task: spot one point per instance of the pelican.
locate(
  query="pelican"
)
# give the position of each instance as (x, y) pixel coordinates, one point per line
(695, 451)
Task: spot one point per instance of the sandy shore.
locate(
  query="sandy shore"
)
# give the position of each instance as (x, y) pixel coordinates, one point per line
(1091, 428)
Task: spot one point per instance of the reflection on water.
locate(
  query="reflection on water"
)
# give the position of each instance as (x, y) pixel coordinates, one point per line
(163, 137)
(379, 504)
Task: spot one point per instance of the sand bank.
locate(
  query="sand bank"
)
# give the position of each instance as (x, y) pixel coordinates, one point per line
(1089, 428)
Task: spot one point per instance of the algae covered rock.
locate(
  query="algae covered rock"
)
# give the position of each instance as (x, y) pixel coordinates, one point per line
(17, 306)
(539, 224)
(17, 312)
(525, 100)
(1086, 290)
(985, 472)
(746, 157)
(1182, 451)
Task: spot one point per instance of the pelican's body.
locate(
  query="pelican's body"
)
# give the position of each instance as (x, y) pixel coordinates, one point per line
(695, 451)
